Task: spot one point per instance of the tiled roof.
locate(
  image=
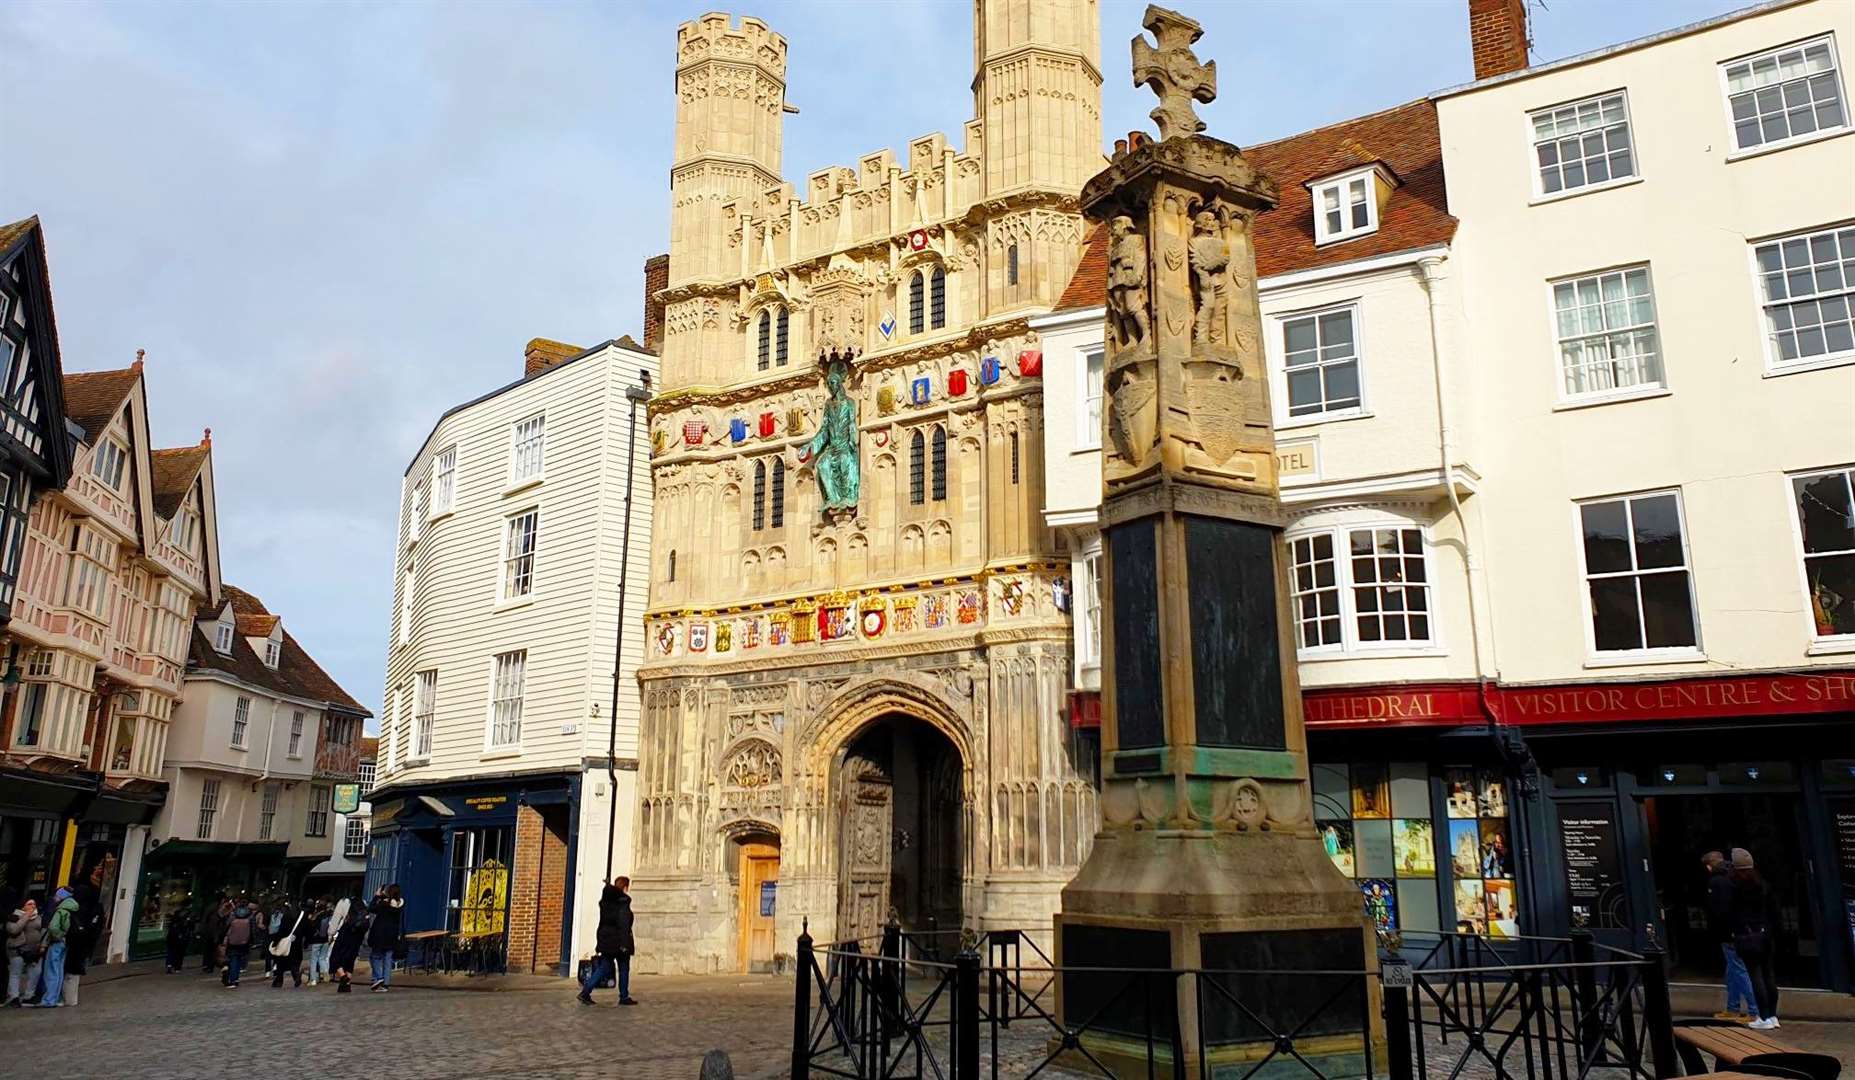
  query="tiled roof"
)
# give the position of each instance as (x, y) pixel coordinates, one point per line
(93, 398)
(11, 234)
(370, 748)
(174, 471)
(296, 673)
(1403, 139)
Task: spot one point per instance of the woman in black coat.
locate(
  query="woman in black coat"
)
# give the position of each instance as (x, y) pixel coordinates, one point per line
(347, 946)
(383, 936)
(290, 928)
(1750, 921)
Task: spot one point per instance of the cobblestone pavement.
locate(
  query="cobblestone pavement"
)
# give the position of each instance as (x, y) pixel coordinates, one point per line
(187, 1027)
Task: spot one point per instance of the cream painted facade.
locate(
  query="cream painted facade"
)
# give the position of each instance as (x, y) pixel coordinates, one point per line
(1727, 423)
(479, 578)
(862, 709)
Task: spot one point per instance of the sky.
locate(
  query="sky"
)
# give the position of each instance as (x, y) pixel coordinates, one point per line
(327, 223)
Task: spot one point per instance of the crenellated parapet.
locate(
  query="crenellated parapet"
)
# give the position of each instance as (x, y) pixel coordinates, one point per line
(717, 36)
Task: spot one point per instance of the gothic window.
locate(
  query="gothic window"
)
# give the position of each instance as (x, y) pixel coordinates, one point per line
(916, 306)
(940, 464)
(1014, 457)
(783, 337)
(917, 470)
(759, 495)
(671, 576)
(937, 298)
(766, 339)
(1011, 264)
(779, 492)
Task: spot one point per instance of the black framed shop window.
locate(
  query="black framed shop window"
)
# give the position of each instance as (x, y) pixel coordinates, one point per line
(480, 862)
(1377, 824)
(1481, 852)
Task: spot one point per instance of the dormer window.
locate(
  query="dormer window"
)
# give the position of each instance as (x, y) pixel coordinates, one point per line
(1346, 206)
(273, 653)
(109, 463)
(222, 639)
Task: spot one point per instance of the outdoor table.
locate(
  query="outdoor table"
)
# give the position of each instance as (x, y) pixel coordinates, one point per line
(423, 941)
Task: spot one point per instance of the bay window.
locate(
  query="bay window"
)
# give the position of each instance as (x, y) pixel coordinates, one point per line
(1361, 588)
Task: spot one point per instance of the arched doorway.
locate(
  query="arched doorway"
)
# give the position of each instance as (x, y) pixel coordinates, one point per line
(899, 803)
(755, 855)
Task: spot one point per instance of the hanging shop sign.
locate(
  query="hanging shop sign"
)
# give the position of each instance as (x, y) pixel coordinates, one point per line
(347, 798)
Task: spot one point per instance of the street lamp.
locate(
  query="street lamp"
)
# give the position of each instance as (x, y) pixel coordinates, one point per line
(635, 395)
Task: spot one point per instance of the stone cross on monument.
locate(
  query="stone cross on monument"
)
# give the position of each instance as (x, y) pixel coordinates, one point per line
(1208, 858)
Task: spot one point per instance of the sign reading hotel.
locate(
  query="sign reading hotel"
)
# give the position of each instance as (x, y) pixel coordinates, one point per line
(1682, 699)
(1299, 460)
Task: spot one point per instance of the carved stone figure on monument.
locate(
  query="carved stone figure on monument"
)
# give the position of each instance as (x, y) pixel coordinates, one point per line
(1127, 284)
(1210, 257)
(1173, 71)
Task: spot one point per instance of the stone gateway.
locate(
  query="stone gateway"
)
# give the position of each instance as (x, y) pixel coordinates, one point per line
(858, 639)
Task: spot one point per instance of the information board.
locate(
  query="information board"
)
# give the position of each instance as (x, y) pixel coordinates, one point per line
(1593, 878)
(769, 891)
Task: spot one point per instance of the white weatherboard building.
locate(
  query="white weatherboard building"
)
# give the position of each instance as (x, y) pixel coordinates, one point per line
(1573, 538)
(500, 752)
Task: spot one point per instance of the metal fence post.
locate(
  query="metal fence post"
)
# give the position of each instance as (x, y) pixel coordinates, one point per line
(1397, 1029)
(1588, 1029)
(1657, 1017)
(966, 1016)
(888, 979)
(802, 1008)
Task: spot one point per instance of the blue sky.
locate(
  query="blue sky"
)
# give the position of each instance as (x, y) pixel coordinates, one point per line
(328, 222)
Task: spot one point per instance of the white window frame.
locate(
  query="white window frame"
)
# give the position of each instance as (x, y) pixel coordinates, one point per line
(1533, 142)
(1341, 185)
(528, 452)
(1276, 347)
(267, 810)
(1821, 644)
(1351, 645)
(408, 596)
(444, 482)
(1641, 389)
(1090, 394)
(298, 720)
(416, 515)
(1726, 97)
(321, 807)
(507, 690)
(1628, 657)
(273, 653)
(369, 773)
(209, 810)
(222, 638)
(111, 454)
(1775, 365)
(241, 723)
(518, 568)
(424, 709)
(1088, 607)
(349, 848)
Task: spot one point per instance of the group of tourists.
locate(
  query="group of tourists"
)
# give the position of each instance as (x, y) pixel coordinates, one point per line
(1739, 915)
(326, 933)
(49, 943)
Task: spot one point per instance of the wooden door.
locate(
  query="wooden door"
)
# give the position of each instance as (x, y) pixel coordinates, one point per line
(866, 818)
(759, 901)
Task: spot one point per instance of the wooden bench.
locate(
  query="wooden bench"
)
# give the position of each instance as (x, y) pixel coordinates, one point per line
(423, 941)
(1730, 1044)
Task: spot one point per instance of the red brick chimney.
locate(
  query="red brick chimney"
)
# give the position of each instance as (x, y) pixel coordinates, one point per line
(542, 354)
(1498, 34)
(656, 280)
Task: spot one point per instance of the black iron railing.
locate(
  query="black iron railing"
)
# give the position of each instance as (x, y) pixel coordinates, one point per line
(915, 1006)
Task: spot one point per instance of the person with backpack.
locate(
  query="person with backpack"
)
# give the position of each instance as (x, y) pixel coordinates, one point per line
(1750, 922)
(383, 936)
(25, 948)
(351, 930)
(58, 936)
(285, 945)
(241, 929)
(319, 933)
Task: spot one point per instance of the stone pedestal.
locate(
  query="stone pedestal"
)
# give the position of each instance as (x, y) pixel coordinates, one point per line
(1208, 857)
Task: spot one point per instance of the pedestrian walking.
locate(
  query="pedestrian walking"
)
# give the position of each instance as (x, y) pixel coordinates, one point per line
(285, 946)
(241, 929)
(615, 942)
(269, 914)
(180, 924)
(25, 949)
(86, 930)
(345, 950)
(318, 934)
(213, 920)
(58, 938)
(383, 935)
(1751, 923)
(1740, 1003)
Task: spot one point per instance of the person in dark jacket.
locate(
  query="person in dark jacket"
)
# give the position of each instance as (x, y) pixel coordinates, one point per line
(346, 948)
(615, 943)
(383, 936)
(1751, 924)
(180, 925)
(289, 930)
(241, 929)
(212, 934)
(1740, 1001)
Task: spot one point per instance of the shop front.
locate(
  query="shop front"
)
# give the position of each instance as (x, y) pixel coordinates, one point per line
(1593, 805)
(184, 876)
(479, 860)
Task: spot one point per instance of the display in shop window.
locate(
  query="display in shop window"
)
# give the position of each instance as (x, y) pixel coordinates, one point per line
(1461, 800)
(1413, 842)
(1371, 792)
(1381, 903)
(1337, 838)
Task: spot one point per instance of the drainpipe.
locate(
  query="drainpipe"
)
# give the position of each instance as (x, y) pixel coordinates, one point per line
(634, 395)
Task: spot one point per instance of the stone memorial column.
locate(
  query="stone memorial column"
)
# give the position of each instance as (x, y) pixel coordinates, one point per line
(1207, 856)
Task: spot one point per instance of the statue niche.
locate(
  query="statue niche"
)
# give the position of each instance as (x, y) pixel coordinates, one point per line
(834, 447)
(1131, 417)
